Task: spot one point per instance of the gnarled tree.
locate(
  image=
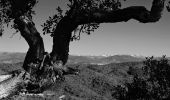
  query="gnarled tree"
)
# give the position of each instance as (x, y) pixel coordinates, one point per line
(83, 16)
(86, 15)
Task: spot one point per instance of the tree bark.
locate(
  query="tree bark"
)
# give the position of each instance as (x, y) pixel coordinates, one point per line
(138, 13)
(70, 22)
(32, 36)
(61, 40)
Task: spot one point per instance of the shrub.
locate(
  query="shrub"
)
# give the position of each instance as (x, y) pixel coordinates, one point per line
(154, 84)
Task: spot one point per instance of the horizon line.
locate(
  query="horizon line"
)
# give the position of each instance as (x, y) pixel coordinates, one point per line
(103, 55)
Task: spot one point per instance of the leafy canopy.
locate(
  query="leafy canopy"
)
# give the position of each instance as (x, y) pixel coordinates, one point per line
(153, 84)
(11, 9)
(76, 7)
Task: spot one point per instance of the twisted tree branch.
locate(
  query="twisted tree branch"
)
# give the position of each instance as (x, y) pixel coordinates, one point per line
(138, 13)
(33, 38)
(70, 22)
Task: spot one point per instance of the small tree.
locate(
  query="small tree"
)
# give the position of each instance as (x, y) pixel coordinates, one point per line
(157, 74)
(153, 85)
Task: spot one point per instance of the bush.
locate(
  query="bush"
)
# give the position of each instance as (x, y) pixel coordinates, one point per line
(154, 84)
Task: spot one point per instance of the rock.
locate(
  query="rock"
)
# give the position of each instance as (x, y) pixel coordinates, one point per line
(11, 85)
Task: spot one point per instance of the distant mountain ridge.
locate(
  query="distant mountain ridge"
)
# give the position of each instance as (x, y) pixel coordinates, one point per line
(6, 57)
(101, 60)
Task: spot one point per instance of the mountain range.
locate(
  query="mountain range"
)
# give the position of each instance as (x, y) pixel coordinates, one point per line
(6, 57)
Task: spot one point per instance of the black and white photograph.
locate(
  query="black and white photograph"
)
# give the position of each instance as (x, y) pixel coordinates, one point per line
(84, 49)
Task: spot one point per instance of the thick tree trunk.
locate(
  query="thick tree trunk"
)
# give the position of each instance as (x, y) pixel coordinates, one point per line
(61, 40)
(28, 31)
(34, 55)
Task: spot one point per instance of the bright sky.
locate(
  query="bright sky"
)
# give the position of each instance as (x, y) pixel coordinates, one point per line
(112, 38)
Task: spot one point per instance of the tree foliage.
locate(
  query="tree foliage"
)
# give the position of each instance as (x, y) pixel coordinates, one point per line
(153, 85)
(10, 9)
(168, 6)
(81, 6)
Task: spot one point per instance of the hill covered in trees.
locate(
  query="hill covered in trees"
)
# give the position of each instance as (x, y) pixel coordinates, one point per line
(112, 81)
(94, 82)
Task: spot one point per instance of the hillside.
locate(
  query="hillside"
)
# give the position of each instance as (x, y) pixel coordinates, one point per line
(6, 57)
(11, 61)
(94, 82)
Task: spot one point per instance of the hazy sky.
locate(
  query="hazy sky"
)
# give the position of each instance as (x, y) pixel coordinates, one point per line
(130, 37)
